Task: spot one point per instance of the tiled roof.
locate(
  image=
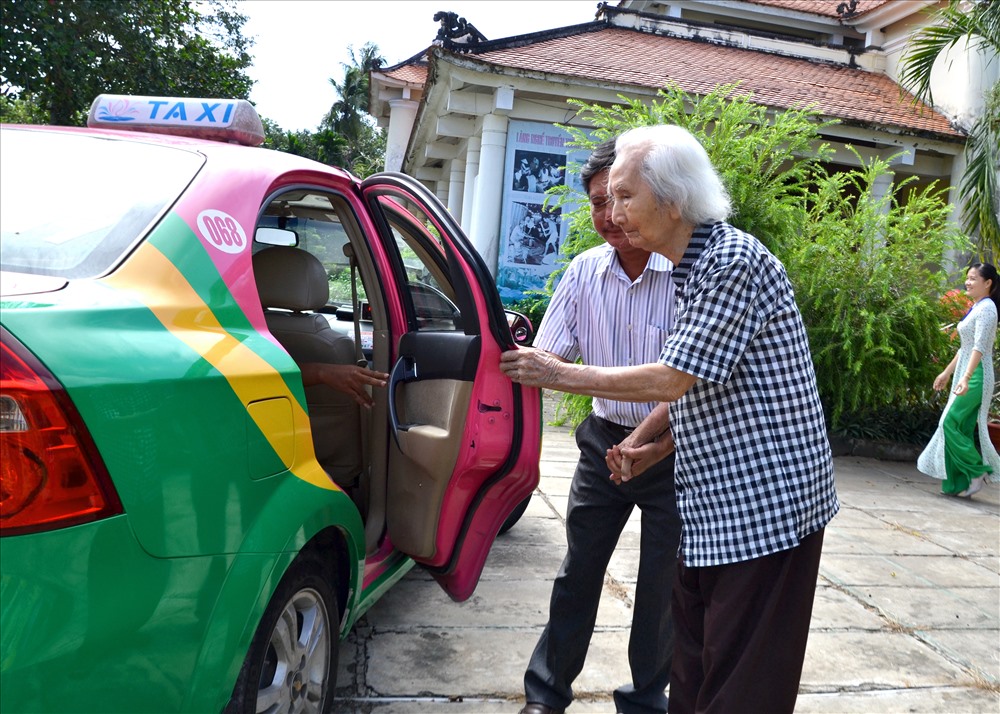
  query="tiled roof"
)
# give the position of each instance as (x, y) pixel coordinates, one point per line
(825, 8)
(410, 73)
(630, 57)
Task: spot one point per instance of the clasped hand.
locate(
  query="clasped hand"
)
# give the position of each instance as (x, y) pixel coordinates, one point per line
(628, 460)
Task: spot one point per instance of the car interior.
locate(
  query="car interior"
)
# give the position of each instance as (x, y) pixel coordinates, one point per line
(323, 301)
(293, 288)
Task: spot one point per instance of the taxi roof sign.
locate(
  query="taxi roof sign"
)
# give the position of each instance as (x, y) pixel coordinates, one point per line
(232, 120)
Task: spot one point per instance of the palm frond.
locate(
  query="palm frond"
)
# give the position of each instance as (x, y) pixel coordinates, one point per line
(979, 186)
(980, 26)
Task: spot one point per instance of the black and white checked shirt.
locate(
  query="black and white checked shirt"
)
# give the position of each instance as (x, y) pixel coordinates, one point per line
(601, 315)
(754, 472)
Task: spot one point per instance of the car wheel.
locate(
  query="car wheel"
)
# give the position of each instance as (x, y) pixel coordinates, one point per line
(292, 663)
(515, 515)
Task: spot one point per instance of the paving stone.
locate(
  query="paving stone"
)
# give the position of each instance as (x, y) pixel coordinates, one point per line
(906, 617)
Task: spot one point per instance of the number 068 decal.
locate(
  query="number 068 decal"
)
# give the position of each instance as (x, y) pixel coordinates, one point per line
(222, 231)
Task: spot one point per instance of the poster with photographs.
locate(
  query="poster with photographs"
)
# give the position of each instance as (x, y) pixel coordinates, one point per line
(532, 232)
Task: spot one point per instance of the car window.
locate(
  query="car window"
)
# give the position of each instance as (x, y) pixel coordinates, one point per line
(74, 205)
(424, 264)
(323, 224)
(316, 220)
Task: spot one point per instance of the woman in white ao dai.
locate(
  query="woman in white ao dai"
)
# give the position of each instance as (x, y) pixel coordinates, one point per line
(951, 454)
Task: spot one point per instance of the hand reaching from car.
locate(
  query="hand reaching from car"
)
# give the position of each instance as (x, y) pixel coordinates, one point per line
(348, 378)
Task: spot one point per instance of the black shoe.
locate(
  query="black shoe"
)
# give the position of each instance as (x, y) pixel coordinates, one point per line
(536, 708)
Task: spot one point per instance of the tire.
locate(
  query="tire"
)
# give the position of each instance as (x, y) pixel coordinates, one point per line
(292, 663)
(515, 515)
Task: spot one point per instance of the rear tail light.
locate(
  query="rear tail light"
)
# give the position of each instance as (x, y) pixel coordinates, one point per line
(51, 474)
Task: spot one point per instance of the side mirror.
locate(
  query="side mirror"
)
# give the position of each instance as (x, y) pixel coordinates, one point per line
(520, 328)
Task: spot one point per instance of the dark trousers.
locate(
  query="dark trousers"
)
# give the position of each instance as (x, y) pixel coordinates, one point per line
(596, 514)
(741, 632)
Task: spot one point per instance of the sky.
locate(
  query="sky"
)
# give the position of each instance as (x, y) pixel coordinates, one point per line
(300, 44)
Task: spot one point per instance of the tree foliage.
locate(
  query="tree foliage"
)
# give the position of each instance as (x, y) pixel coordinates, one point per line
(63, 53)
(359, 145)
(323, 146)
(345, 137)
(23, 110)
(977, 24)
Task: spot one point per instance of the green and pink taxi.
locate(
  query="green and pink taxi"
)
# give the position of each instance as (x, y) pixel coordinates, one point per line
(184, 526)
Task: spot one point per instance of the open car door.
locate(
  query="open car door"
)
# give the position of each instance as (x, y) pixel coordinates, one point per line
(465, 440)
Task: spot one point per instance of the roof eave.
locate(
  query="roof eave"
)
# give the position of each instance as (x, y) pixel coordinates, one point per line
(522, 40)
(888, 14)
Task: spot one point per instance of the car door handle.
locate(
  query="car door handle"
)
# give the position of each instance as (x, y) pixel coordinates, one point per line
(405, 370)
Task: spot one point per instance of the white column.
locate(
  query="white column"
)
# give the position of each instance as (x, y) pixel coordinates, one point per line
(485, 232)
(882, 189)
(456, 188)
(401, 115)
(468, 191)
(958, 169)
(956, 261)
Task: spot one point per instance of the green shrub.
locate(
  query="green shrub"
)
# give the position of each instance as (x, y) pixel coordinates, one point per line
(27, 109)
(572, 408)
(912, 421)
(867, 279)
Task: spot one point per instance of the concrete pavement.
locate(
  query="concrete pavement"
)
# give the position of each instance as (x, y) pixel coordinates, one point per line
(907, 614)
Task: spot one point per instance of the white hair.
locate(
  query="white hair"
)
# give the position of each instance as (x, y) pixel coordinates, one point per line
(678, 171)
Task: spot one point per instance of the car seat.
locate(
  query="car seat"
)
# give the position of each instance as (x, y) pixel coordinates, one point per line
(293, 285)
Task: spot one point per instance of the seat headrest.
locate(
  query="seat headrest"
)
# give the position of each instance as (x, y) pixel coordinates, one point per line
(290, 279)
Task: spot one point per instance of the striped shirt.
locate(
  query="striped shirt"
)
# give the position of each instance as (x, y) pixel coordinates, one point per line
(598, 314)
(754, 473)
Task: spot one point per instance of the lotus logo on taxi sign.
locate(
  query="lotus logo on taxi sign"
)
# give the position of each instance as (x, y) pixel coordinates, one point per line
(117, 110)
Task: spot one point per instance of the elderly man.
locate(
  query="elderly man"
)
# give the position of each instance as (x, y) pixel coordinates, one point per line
(754, 474)
(613, 306)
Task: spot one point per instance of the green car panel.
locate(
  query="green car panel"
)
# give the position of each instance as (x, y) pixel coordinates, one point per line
(85, 607)
(80, 610)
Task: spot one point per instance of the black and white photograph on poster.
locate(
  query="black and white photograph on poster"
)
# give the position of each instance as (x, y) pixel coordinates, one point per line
(535, 234)
(537, 172)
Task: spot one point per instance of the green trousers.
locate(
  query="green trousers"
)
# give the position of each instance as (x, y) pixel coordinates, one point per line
(962, 459)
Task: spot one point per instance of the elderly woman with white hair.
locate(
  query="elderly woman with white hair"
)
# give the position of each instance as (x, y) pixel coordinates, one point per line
(753, 470)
